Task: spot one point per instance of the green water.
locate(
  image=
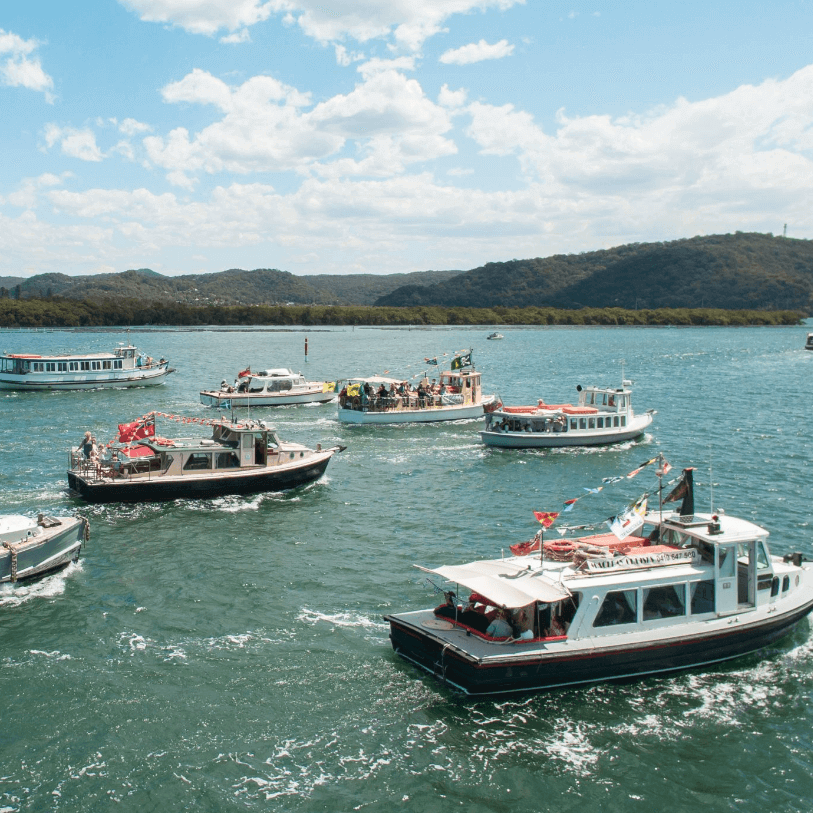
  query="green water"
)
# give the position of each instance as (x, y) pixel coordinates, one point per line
(231, 654)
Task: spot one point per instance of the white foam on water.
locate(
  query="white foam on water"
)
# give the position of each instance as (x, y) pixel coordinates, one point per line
(343, 619)
(13, 595)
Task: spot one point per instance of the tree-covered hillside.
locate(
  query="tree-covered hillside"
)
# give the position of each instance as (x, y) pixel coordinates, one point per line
(264, 286)
(721, 271)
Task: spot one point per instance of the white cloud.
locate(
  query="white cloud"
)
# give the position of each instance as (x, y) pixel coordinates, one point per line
(345, 57)
(408, 22)
(237, 38)
(477, 52)
(26, 196)
(74, 143)
(18, 68)
(203, 16)
(266, 126)
(131, 127)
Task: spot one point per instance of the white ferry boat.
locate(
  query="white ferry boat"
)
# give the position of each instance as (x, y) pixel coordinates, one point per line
(602, 415)
(809, 342)
(691, 590)
(121, 368)
(33, 547)
(275, 387)
(382, 400)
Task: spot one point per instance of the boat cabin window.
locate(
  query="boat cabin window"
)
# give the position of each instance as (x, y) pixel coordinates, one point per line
(227, 460)
(785, 584)
(726, 561)
(257, 386)
(666, 601)
(591, 423)
(38, 367)
(582, 423)
(74, 366)
(702, 596)
(623, 420)
(85, 365)
(763, 562)
(615, 421)
(198, 460)
(619, 607)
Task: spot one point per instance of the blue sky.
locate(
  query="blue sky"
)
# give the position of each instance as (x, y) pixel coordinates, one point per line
(358, 136)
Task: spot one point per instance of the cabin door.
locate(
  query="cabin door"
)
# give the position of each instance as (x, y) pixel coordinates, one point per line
(726, 579)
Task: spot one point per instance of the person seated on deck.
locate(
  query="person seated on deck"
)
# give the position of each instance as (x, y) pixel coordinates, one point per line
(499, 627)
(382, 392)
(449, 608)
(522, 621)
(474, 617)
(422, 394)
(395, 398)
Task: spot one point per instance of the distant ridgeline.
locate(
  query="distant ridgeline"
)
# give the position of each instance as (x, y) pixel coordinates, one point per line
(744, 272)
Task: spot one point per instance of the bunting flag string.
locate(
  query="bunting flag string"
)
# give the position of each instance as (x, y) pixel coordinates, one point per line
(568, 505)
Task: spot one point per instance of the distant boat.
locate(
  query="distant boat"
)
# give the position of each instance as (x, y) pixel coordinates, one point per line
(123, 367)
(276, 387)
(809, 342)
(603, 415)
(495, 336)
(34, 547)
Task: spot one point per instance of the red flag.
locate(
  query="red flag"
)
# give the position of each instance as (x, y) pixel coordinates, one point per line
(245, 372)
(524, 548)
(546, 517)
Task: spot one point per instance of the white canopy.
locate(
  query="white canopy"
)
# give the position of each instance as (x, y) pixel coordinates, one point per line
(377, 379)
(503, 582)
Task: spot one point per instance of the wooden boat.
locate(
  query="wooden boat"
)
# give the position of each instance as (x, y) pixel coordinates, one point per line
(689, 591)
(123, 367)
(275, 387)
(240, 457)
(383, 400)
(33, 547)
(602, 415)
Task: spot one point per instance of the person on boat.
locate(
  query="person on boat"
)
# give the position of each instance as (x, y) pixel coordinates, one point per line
(449, 608)
(86, 445)
(474, 617)
(499, 627)
(382, 392)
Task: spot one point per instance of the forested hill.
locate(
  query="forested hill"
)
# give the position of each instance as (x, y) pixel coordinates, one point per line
(721, 271)
(263, 286)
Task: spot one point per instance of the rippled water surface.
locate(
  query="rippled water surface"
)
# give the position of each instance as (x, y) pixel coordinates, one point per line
(231, 654)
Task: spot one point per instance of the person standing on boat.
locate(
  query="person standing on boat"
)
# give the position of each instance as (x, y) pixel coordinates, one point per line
(86, 446)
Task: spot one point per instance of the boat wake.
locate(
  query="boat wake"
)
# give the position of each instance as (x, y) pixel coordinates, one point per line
(13, 595)
(340, 619)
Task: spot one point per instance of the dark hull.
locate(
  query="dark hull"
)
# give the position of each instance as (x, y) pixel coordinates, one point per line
(534, 672)
(201, 487)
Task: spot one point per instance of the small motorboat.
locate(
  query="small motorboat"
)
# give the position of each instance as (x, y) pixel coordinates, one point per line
(275, 387)
(602, 415)
(240, 457)
(33, 547)
(809, 342)
(684, 590)
(495, 336)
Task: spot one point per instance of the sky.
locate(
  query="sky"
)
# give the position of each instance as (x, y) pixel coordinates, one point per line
(390, 136)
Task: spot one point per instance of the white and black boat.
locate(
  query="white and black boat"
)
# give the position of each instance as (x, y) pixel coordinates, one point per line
(240, 457)
(809, 342)
(121, 368)
(33, 547)
(691, 590)
(603, 415)
(275, 387)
